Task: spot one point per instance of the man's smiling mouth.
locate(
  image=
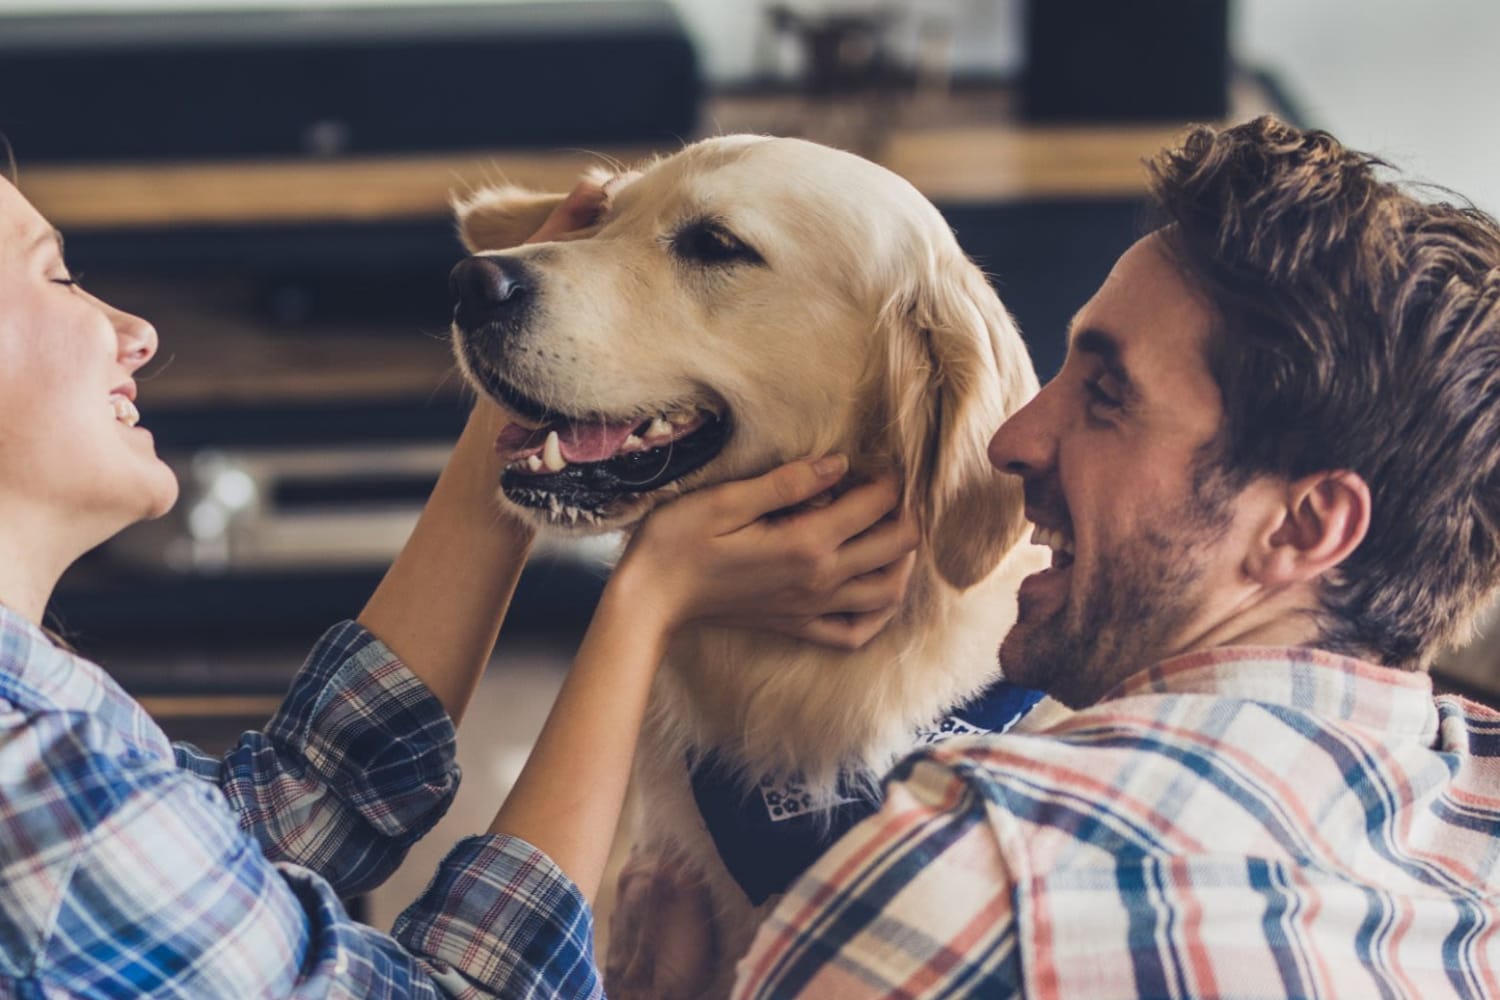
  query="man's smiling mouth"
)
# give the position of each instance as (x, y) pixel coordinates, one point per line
(1056, 539)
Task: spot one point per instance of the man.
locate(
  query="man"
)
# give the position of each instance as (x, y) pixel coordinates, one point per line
(1269, 472)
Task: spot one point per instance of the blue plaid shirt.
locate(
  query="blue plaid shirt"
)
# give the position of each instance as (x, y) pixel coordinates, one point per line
(132, 867)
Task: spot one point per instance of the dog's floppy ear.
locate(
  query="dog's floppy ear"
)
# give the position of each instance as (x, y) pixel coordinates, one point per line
(498, 217)
(954, 368)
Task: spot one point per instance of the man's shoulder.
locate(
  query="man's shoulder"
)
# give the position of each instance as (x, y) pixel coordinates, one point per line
(1159, 774)
(1068, 746)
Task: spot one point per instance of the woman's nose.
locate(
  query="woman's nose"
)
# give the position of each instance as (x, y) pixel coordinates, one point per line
(138, 339)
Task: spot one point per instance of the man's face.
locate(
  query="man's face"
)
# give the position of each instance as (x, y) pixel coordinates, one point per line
(1116, 454)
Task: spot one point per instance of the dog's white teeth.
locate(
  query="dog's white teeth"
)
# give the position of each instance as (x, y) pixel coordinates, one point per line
(681, 418)
(552, 457)
(534, 463)
(658, 428)
(633, 443)
(125, 411)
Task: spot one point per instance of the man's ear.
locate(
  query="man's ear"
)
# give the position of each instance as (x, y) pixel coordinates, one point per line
(1321, 520)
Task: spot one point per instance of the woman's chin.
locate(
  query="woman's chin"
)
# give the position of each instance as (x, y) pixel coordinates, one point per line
(163, 492)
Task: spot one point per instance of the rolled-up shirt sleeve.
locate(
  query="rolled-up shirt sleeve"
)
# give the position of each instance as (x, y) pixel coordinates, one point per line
(128, 877)
(354, 768)
(500, 915)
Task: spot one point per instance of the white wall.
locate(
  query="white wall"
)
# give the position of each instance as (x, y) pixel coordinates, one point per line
(1416, 82)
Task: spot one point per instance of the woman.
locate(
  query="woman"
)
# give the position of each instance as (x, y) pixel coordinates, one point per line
(129, 866)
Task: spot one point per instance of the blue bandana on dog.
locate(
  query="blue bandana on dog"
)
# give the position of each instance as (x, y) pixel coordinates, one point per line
(770, 836)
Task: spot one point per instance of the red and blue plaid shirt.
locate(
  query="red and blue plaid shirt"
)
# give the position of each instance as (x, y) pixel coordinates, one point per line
(1248, 823)
(131, 867)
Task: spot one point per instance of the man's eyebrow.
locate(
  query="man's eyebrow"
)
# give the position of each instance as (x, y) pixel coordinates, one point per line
(1105, 348)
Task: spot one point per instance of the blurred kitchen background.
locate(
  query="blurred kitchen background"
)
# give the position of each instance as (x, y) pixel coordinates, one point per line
(267, 182)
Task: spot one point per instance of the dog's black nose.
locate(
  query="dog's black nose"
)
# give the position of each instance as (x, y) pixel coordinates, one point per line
(486, 289)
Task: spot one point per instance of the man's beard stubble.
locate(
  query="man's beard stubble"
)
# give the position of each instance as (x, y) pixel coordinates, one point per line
(1140, 595)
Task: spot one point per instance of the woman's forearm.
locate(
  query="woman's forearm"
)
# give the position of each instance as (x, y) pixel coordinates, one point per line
(568, 799)
(440, 605)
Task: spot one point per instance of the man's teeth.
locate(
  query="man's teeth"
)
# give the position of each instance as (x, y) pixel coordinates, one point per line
(552, 459)
(125, 411)
(1054, 539)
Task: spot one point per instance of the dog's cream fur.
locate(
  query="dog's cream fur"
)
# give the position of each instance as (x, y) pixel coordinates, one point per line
(867, 332)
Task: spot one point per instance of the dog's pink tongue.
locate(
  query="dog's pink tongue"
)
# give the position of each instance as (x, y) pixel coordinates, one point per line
(589, 442)
(592, 442)
(516, 442)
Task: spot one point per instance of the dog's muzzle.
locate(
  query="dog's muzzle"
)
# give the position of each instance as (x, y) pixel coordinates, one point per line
(491, 293)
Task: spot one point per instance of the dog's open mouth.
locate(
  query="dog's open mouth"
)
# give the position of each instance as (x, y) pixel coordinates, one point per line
(575, 468)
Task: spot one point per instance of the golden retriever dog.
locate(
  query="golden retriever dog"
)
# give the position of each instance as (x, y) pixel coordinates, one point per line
(741, 303)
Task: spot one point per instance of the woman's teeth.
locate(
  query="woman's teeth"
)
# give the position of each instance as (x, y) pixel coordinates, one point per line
(125, 411)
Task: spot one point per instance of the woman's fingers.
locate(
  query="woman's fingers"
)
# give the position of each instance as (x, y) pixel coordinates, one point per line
(855, 512)
(579, 210)
(738, 504)
(873, 591)
(846, 631)
(877, 547)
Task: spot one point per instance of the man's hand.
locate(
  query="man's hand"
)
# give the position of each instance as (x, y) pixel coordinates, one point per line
(834, 574)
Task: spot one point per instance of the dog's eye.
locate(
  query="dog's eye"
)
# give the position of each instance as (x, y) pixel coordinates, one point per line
(710, 243)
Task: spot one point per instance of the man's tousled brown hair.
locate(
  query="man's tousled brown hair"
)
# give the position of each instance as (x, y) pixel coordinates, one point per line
(1358, 328)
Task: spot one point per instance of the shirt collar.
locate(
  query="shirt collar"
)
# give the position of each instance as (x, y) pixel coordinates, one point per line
(35, 673)
(1309, 680)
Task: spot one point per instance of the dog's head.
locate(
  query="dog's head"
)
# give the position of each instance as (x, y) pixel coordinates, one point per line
(742, 303)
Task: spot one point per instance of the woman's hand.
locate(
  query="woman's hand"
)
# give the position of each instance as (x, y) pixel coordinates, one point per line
(440, 605)
(834, 574)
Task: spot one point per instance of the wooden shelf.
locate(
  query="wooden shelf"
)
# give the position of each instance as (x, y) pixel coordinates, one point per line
(218, 348)
(960, 146)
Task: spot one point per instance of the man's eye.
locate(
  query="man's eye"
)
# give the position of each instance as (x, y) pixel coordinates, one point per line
(709, 243)
(1100, 396)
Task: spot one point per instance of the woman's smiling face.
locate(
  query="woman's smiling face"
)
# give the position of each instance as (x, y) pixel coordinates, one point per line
(75, 467)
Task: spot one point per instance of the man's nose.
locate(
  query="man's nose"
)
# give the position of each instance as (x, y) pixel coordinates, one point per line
(489, 289)
(1026, 443)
